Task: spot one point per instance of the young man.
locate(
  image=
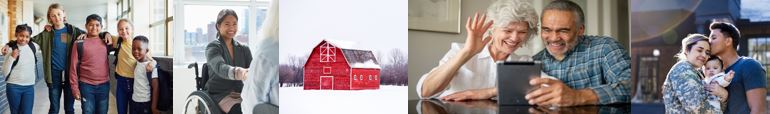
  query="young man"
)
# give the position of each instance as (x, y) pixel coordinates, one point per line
(145, 81)
(748, 89)
(89, 68)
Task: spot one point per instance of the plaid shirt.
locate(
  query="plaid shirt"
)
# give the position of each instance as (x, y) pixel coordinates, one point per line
(597, 63)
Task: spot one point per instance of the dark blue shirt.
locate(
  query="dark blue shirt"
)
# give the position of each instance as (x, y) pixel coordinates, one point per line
(59, 52)
(749, 74)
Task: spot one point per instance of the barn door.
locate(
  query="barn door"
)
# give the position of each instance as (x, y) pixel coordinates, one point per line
(327, 82)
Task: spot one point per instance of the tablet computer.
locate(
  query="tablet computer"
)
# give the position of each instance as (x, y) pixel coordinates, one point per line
(513, 81)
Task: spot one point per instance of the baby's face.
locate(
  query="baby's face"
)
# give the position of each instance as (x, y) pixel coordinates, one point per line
(712, 67)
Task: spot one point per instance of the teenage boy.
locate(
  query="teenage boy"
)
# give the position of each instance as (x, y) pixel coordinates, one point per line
(89, 68)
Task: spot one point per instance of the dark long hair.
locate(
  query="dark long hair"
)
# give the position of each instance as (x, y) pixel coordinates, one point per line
(221, 17)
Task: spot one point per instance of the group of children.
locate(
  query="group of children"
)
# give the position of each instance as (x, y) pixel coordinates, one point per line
(77, 62)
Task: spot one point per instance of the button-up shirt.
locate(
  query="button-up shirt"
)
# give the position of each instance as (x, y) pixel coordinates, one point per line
(597, 63)
(479, 72)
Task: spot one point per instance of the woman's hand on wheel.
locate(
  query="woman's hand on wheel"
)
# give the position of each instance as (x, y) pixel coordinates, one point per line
(476, 26)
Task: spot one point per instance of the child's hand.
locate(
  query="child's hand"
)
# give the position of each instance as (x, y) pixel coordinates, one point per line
(5, 50)
(81, 37)
(15, 53)
(48, 28)
(76, 95)
(730, 75)
(150, 66)
(107, 38)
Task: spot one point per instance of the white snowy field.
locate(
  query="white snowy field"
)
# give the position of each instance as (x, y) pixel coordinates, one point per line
(386, 100)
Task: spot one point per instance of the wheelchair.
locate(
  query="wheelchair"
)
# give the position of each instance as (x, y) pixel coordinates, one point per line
(199, 101)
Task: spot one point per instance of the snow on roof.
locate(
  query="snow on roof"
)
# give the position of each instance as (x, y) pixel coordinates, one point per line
(360, 58)
(340, 43)
(367, 64)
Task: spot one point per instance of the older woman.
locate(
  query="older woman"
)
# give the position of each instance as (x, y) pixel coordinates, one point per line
(467, 70)
(683, 90)
(228, 62)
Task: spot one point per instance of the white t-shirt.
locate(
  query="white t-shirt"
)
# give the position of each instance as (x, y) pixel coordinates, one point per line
(24, 72)
(714, 100)
(142, 87)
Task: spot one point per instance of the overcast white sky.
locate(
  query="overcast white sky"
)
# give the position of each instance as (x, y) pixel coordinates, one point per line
(379, 25)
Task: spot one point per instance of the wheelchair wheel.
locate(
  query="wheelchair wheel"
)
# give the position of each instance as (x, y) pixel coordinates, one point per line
(199, 102)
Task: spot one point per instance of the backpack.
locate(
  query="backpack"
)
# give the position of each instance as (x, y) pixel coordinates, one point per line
(31, 45)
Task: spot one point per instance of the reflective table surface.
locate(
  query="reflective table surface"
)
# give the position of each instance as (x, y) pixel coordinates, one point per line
(490, 107)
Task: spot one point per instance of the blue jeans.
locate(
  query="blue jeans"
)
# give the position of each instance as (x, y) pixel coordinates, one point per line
(55, 92)
(141, 108)
(94, 98)
(20, 98)
(123, 92)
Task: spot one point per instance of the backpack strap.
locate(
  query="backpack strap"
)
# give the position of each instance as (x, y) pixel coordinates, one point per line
(11, 70)
(117, 50)
(79, 44)
(15, 62)
(34, 50)
(149, 78)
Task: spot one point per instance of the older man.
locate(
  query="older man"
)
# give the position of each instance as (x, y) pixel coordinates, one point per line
(590, 69)
(467, 71)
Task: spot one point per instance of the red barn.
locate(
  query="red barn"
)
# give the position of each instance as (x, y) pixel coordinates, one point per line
(330, 67)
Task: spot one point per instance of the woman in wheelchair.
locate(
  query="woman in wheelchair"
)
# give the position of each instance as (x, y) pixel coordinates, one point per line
(228, 62)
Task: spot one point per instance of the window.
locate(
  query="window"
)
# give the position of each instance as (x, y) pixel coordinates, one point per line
(328, 53)
(370, 77)
(759, 49)
(160, 23)
(198, 25)
(354, 77)
(327, 70)
(124, 8)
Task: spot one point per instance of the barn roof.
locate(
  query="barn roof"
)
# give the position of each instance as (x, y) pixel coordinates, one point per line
(360, 58)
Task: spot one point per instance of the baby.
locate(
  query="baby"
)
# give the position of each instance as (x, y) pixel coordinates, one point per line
(715, 75)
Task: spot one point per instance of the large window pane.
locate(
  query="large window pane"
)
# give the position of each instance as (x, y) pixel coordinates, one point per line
(759, 49)
(200, 28)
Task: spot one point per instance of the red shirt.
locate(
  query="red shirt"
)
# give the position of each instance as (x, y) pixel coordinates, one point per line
(94, 64)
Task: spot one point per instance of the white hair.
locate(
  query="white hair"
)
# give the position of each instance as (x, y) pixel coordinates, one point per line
(505, 11)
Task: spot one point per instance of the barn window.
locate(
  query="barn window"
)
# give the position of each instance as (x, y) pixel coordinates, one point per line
(328, 53)
(370, 77)
(354, 77)
(375, 77)
(327, 70)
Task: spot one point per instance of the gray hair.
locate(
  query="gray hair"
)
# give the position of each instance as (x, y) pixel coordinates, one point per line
(505, 11)
(566, 5)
